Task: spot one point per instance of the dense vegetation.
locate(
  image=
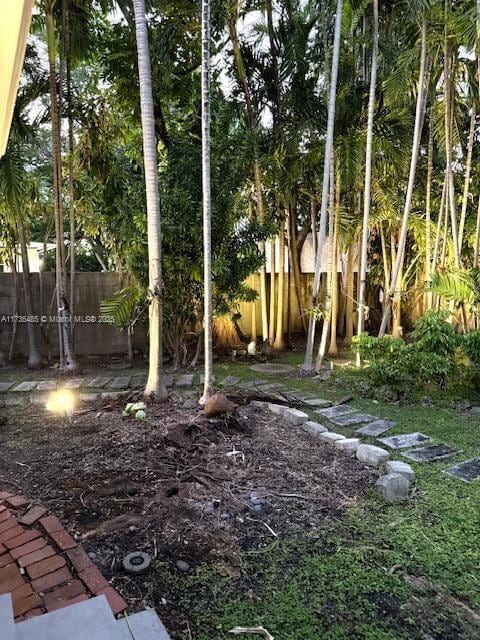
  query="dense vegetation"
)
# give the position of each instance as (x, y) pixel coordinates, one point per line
(357, 120)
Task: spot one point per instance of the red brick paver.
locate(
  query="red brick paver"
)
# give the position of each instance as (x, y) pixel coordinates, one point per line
(17, 502)
(79, 559)
(44, 567)
(32, 515)
(21, 539)
(63, 540)
(30, 547)
(45, 583)
(51, 524)
(94, 580)
(40, 578)
(36, 556)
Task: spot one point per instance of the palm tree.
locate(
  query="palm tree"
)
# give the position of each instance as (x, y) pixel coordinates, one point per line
(308, 362)
(67, 360)
(368, 179)
(155, 387)
(419, 116)
(207, 205)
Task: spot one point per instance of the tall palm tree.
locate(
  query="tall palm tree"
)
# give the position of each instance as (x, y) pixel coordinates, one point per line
(67, 360)
(155, 387)
(207, 205)
(368, 178)
(308, 362)
(419, 117)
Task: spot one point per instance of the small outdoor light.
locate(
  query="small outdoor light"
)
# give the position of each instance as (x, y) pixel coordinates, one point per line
(61, 401)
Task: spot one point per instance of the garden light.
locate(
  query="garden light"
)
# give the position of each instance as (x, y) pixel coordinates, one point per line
(61, 401)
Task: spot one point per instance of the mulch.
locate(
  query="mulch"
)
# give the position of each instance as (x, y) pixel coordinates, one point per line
(177, 485)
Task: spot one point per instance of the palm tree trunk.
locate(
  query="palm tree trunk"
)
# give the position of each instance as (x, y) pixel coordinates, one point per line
(67, 361)
(308, 362)
(368, 180)
(419, 115)
(155, 387)
(34, 357)
(279, 343)
(242, 76)
(71, 189)
(428, 221)
(207, 204)
(273, 267)
(13, 266)
(466, 186)
(333, 348)
(294, 260)
(476, 249)
(350, 277)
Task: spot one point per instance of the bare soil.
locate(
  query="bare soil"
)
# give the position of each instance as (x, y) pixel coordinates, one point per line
(176, 486)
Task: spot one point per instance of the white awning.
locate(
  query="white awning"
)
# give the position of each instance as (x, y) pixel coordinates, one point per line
(15, 18)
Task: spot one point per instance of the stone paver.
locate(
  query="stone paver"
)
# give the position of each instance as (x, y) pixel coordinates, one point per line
(272, 368)
(352, 418)
(314, 427)
(98, 383)
(404, 441)
(121, 382)
(72, 383)
(348, 445)
(185, 380)
(33, 514)
(294, 416)
(113, 395)
(467, 471)
(372, 455)
(168, 380)
(393, 487)
(47, 385)
(403, 468)
(337, 410)
(431, 453)
(230, 381)
(138, 381)
(376, 428)
(330, 437)
(5, 386)
(89, 398)
(316, 402)
(25, 386)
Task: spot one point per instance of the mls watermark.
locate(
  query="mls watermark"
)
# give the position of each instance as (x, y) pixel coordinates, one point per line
(52, 319)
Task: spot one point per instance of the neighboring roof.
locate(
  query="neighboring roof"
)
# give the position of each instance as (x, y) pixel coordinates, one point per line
(15, 18)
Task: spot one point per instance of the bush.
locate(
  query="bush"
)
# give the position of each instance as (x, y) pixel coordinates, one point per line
(434, 334)
(470, 344)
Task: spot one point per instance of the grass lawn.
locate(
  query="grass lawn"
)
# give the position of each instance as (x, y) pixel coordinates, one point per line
(382, 572)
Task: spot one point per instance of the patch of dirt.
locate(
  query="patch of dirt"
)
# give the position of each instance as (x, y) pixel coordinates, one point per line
(177, 485)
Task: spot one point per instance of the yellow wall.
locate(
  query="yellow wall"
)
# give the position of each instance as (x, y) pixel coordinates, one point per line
(15, 17)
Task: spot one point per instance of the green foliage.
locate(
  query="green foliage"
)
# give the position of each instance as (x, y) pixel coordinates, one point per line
(125, 307)
(470, 343)
(434, 334)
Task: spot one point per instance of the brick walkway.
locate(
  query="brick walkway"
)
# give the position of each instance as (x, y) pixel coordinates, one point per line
(41, 565)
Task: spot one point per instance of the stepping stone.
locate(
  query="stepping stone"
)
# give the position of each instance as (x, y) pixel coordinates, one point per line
(393, 487)
(348, 445)
(185, 381)
(352, 418)
(316, 402)
(314, 427)
(467, 471)
(405, 440)
(122, 382)
(271, 368)
(39, 399)
(98, 383)
(14, 402)
(25, 386)
(138, 381)
(431, 453)
(372, 455)
(167, 380)
(144, 625)
(5, 386)
(113, 395)
(403, 468)
(73, 383)
(375, 428)
(89, 397)
(47, 385)
(337, 410)
(202, 378)
(230, 381)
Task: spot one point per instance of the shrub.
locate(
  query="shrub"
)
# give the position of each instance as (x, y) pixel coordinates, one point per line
(470, 344)
(434, 334)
